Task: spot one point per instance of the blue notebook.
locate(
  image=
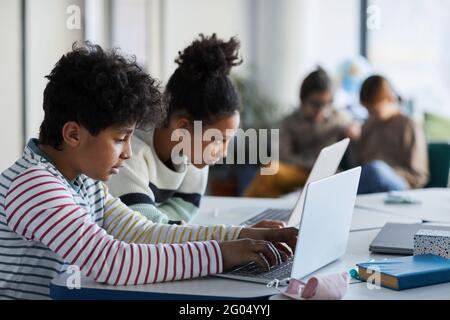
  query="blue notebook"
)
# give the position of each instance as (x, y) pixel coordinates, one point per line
(407, 272)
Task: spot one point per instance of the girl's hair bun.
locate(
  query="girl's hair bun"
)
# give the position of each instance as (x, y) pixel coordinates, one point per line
(209, 57)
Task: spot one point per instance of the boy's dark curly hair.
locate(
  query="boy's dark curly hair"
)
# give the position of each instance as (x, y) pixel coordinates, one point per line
(200, 87)
(97, 89)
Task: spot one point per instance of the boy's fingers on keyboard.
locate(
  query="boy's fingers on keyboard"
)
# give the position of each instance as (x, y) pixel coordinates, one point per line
(261, 261)
(287, 235)
(276, 253)
(283, 247)
(282, 250)
(264, 248)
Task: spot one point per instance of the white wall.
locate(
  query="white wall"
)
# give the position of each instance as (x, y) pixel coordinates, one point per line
(48, 38)
(294, 36)
(97, 22)
(155, 30)
(130, 28)
(281, 48)
(10, 83)
(184, 20)
(337, 32)
(281, 40)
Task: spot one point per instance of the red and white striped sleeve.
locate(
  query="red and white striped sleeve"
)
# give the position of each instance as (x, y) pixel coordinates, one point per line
(39, 207)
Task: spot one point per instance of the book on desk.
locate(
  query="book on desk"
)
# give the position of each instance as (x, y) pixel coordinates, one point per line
(406, 272)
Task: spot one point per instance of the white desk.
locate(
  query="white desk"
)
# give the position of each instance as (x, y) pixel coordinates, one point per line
(203, 288)
(357, 251)
(207, 288)
(227, 210)
(434, 206)
(360, 291)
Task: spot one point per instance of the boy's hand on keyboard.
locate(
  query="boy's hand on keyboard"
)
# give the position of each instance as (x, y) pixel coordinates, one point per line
(276, 236)
(240, 252)
(273, 224)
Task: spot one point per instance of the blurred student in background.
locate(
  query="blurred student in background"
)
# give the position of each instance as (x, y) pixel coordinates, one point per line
(315, 125)
(392, 147)
(311, 127)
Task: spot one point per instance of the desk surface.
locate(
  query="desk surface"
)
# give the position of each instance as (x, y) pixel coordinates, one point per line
(203, 288)
(227, 210)
(434, 206)
(207, 288)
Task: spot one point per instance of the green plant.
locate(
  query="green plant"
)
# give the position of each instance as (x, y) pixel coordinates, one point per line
(258, 111)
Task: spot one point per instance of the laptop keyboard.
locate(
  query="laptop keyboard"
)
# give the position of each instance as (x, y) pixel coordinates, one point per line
(271, 214)
(281, 271)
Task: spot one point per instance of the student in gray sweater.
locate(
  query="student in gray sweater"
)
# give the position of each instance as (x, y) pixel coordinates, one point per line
(392, 148)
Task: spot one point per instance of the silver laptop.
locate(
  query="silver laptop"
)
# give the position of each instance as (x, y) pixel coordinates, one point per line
(323, 233)
(398, 238)
(326, 165)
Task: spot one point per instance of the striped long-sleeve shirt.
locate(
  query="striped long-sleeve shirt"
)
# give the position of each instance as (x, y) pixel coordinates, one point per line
(48, 223)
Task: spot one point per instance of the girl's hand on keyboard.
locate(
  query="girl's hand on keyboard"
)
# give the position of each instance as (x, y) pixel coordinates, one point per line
(283, 235)
(273, 224)
(240, 252)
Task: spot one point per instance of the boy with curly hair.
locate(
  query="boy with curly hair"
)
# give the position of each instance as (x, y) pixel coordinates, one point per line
(56, 211)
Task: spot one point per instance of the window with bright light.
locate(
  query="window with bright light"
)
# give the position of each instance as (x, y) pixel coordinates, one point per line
(408, 41)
